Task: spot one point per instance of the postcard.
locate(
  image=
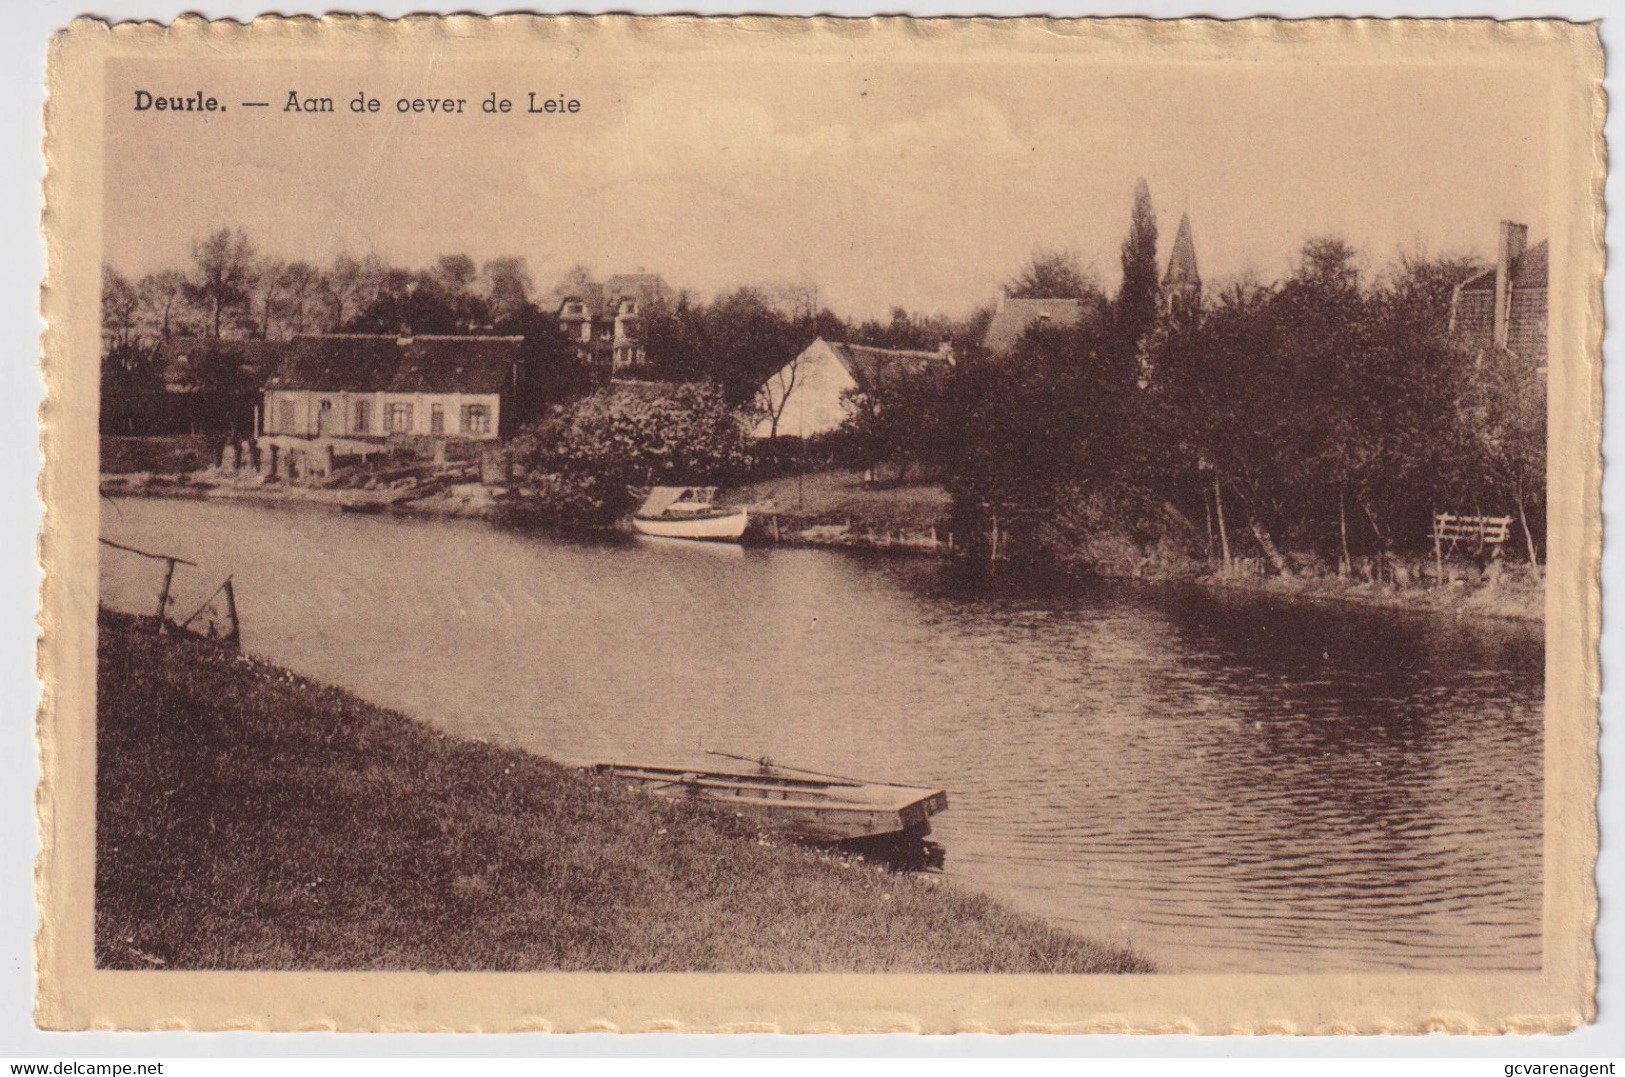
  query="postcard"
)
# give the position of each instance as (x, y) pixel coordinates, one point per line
(811, 524)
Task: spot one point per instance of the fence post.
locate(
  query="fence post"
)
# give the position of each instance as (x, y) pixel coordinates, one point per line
(235, 636)
(1438, 552)
(163, 596)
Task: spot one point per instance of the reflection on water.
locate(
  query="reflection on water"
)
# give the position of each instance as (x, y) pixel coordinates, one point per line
(1227, 783)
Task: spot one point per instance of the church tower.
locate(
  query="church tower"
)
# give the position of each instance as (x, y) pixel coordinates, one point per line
(1182, 284)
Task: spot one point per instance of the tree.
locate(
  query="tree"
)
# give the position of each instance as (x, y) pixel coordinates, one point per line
(774, 395)
(121, 304)
(301, 288)
(343, 288)
(507, 285)
(406, 302)
(129, 376)
(269, 279)
(579, 466)
(1053, 274)
(455, 272)
(222, 275)
(163, 298)
(899, 417)
(1135, 310)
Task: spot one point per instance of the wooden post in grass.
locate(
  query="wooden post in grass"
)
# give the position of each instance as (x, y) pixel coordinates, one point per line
(235, 636)
(163, 595)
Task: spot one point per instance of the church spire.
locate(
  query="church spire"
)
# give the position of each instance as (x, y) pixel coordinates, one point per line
(1182, 284)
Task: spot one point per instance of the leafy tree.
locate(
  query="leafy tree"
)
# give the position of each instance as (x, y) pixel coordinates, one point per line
(899, 417)
(552, 370)
(580, 465)
(456, 273)
(1135, 309)
(1053, 275)
(507, 284)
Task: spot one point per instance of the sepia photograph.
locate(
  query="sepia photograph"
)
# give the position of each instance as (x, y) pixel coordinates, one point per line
(902, 497)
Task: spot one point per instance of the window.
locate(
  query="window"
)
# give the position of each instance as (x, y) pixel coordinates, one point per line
(399, 418)
(363, 416)
(575, 309)
(284, 416)
(476, 419)
(437, 419)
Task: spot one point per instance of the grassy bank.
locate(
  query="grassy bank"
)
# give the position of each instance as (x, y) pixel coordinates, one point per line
(1518, 596)
(248, 818)
(169, 455)
(841, 496)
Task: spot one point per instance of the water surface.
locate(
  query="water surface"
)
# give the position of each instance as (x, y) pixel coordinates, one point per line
(1225, 783)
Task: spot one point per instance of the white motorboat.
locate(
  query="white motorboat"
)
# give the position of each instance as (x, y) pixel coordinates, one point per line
(689, 512)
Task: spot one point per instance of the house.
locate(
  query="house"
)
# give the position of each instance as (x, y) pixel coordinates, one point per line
(1182, 284)
(806, 397)
(602, 319)
(379, 387)
(1013, 317)
(1505, 306)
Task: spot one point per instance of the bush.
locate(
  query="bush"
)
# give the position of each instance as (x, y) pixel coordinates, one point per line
(1119, 531)
(579, 466)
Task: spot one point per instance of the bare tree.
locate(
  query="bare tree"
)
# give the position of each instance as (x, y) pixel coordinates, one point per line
(120, 307)
(163, 300)
(774, 396)
(270, 277)
(301, 287)
(223, 275)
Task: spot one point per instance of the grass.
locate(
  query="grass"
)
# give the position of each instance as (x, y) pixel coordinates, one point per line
(169, 455)
(839, 495)
(250, 819)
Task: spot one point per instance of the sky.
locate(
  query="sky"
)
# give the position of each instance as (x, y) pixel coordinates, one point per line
(922, 180)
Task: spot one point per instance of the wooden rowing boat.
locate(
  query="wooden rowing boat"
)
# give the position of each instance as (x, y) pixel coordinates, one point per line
(817, 808)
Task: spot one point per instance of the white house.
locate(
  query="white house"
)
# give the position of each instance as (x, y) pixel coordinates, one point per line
(806, 397)
(367, 387)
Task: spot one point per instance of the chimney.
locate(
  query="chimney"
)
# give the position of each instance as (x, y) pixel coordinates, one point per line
(405, 336)
(1514, 238)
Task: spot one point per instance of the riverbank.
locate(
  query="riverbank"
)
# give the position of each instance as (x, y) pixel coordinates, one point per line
(837, 510)
(1517, 596)
(249, 818)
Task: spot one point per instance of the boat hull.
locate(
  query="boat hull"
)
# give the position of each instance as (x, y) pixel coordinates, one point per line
(816, 811)
(721, 527)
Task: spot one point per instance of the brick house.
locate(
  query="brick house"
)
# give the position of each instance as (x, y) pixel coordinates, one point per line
(1505, 306)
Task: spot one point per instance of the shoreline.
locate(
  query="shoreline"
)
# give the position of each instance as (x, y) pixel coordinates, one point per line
(250, 818)
(873, 536)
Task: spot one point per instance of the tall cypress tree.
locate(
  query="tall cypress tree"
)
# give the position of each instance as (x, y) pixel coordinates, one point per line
(1136, 306)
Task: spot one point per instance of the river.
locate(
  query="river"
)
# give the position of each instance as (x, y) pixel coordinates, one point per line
(1226, 783)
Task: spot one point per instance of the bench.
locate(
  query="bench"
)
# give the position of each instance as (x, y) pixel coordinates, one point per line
(1482, 532)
